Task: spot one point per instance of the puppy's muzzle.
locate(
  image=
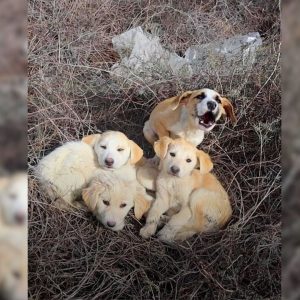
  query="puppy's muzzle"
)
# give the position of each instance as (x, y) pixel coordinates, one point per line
(211, 105)
(111, 224)
(109, 162)
(20, 218)
(174, 170)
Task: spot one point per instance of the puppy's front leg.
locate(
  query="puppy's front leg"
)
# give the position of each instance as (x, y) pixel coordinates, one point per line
(177, 221)
(160, 206)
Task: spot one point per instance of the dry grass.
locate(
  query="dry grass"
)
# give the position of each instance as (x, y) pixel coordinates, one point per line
(71, 94)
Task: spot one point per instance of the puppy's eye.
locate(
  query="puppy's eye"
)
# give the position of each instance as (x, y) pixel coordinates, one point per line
(218, 99)
(120, 149)
(172, 154)
(103, 147)
(123, 205)
(188, 160)
(201, 96)
(16, 274)
(106, 202)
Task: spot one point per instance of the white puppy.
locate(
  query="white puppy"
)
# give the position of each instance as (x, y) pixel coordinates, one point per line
(14, 199)
(68, 169)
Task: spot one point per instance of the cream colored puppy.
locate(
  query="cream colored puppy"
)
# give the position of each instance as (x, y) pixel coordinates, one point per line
(13, 263)
(196, 196)
(68, 169)
(188, 116)
(110, 199)
(14, 199)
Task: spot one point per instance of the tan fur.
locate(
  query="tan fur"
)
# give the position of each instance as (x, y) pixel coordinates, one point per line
(203, 203)
(228, 109)
(175, 117)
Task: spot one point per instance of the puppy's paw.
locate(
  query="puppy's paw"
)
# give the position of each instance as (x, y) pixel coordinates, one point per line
(164, 219)
(147, 231)
(166, 235)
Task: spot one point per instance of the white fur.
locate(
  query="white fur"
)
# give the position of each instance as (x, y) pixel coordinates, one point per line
(65, 171)
(210, 96)
(112, 146)
(13, 263)
(14, 200)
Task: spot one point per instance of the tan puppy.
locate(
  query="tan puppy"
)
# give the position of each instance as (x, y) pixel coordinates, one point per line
(188, 116)
(13, 263)
(69, 168)
(198, 198)
(110, 199)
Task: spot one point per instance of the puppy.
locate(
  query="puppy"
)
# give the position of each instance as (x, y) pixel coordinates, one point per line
(14, 199)
(110, 199)
(188, 116)
(13, 263)
(195, 197)
(68, 169)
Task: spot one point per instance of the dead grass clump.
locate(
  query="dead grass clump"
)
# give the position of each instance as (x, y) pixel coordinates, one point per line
(71, 94)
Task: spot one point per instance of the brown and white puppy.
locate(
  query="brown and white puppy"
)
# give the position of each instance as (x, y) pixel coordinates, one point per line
(69, 168)
(13, 263)
(110, 199)
(188, 116)
(199, 200)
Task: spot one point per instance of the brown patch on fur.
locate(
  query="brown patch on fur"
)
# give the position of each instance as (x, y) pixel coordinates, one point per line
(228, 109)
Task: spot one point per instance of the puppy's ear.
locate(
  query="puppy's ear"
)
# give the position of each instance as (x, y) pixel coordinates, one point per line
(89, 195)
(141, 206)
(161, 146)
(228, 108)
(91, 139)
(205, 162)
(181, 99)
(136, 152)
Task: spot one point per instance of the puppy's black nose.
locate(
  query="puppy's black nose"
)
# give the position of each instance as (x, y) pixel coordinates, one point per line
(109, 161)
(211, 105)
(111, 223)
(20, 218)
(175, 170)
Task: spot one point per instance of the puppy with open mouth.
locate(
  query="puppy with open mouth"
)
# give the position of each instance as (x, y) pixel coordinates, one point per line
(188, 116)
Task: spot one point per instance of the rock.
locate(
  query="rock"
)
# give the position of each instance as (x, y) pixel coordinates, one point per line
(143, 59)
(234, 55)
